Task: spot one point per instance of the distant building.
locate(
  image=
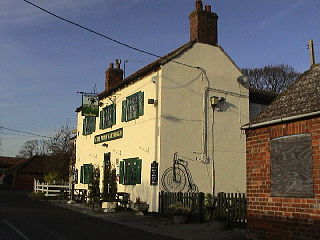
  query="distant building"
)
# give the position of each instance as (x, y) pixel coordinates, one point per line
(186, 107)
(5, 164)
(283, 164)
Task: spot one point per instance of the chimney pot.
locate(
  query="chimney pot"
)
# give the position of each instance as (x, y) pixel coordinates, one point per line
(117, 65)
(208, 8)
(199, 5)
(111, 65)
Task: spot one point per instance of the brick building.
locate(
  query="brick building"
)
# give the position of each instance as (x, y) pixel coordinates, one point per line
(283, 164)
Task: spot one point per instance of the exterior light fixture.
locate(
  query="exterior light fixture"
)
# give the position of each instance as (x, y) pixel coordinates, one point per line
(214, 101)
(105, 145)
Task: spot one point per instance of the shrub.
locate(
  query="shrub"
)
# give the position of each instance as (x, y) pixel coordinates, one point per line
(178, 209)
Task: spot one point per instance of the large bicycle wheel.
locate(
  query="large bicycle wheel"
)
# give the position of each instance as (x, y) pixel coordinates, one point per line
(173, 183)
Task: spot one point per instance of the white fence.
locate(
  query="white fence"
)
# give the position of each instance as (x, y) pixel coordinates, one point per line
(50, 190)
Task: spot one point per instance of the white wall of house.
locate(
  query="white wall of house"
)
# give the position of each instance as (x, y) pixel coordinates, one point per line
(140, 139)
(182, 119)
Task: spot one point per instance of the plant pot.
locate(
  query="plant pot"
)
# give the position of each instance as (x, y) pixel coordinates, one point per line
(109, 205)
(141, 207)
(180, 219)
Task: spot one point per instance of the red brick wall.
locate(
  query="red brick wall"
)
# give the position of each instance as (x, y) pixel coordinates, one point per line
(280, 217)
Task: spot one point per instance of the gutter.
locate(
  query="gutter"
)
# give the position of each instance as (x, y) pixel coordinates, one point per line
(285, 119)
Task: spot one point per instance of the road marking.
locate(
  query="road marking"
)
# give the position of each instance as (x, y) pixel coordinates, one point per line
(21, 234)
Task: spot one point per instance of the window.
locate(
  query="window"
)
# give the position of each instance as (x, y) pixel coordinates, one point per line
(89, 125)
(130, 171)
(291, 166)
(86, 173)
(108, 117)
(133, 107)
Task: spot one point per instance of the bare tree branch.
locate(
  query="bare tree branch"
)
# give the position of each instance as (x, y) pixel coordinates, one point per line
(275, 78)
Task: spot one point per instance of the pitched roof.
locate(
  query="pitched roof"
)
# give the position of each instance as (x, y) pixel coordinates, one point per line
(261, 96)
(36, 165)
(11, 161)
(302, 97)
(148, 69)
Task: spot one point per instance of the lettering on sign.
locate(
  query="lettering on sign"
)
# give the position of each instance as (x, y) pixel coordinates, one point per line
(108, 136)
(154, 173)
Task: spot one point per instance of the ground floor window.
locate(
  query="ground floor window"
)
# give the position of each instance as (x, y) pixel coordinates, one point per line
(86, 173)
(130, 171)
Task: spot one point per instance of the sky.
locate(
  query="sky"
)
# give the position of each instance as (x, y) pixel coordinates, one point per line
(44, 62)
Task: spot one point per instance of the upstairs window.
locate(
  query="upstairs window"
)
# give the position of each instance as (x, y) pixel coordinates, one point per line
(108, 117)
(130, 171)
(89, 125)
(133, 107)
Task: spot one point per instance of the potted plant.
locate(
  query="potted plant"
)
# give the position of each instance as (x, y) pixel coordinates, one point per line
(180, 212)
(140, 206)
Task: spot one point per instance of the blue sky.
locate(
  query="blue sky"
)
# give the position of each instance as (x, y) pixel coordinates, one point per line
(44, 62)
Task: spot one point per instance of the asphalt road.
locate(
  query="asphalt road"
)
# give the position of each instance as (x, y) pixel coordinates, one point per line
(24, 219)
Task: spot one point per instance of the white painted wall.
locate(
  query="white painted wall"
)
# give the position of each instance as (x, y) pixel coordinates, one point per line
(182, 119)
(140, 139)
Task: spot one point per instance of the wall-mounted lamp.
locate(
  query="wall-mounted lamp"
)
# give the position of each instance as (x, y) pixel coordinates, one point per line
(153, 101)
(100, 104)
(216, 100)
(105, 145)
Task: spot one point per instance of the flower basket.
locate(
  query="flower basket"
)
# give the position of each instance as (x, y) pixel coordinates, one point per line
(180, 212)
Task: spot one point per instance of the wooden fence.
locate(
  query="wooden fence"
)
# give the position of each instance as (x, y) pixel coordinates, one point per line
(195, 201)
(229, 207)
(50, 190)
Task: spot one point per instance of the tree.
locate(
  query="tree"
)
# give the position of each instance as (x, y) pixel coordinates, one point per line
(58, 148)
(62, 153)
(275, 78)
(32, 148)
(109, 183)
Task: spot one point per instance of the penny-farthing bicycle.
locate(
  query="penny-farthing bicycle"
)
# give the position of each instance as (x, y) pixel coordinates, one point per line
(178, 177)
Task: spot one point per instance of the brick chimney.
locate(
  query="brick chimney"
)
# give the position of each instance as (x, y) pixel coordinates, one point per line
(113, 75)
(203, 24)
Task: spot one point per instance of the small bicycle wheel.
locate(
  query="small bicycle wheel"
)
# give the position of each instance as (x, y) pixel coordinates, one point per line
(174, 184)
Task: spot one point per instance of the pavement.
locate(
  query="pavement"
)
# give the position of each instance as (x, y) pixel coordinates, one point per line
(159, 225)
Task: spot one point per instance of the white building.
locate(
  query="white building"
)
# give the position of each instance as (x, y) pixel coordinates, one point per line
(165, 108)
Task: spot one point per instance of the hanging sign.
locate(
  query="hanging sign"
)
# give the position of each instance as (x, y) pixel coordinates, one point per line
(108, 136)
(90, 105)
(154, 173)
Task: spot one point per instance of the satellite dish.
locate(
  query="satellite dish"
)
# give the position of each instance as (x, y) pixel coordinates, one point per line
(243, 80)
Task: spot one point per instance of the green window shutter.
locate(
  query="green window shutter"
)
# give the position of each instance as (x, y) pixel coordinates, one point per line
(81, 174)
(124, 111)
(101, 119)
(93, 124)
(138, 165)
(114, 116)
(121, 172)
(140, 103)
(84, 132)
(85, 173)
(90, 173)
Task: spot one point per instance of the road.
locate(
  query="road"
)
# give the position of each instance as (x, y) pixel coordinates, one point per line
(24, 219)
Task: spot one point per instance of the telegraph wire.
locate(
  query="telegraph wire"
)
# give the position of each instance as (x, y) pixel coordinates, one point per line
(15, 130)
(105, 36)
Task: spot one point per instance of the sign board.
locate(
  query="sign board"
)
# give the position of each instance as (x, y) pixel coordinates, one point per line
(108, 136)
(154, 173)
(90, 105)
(291, 166)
